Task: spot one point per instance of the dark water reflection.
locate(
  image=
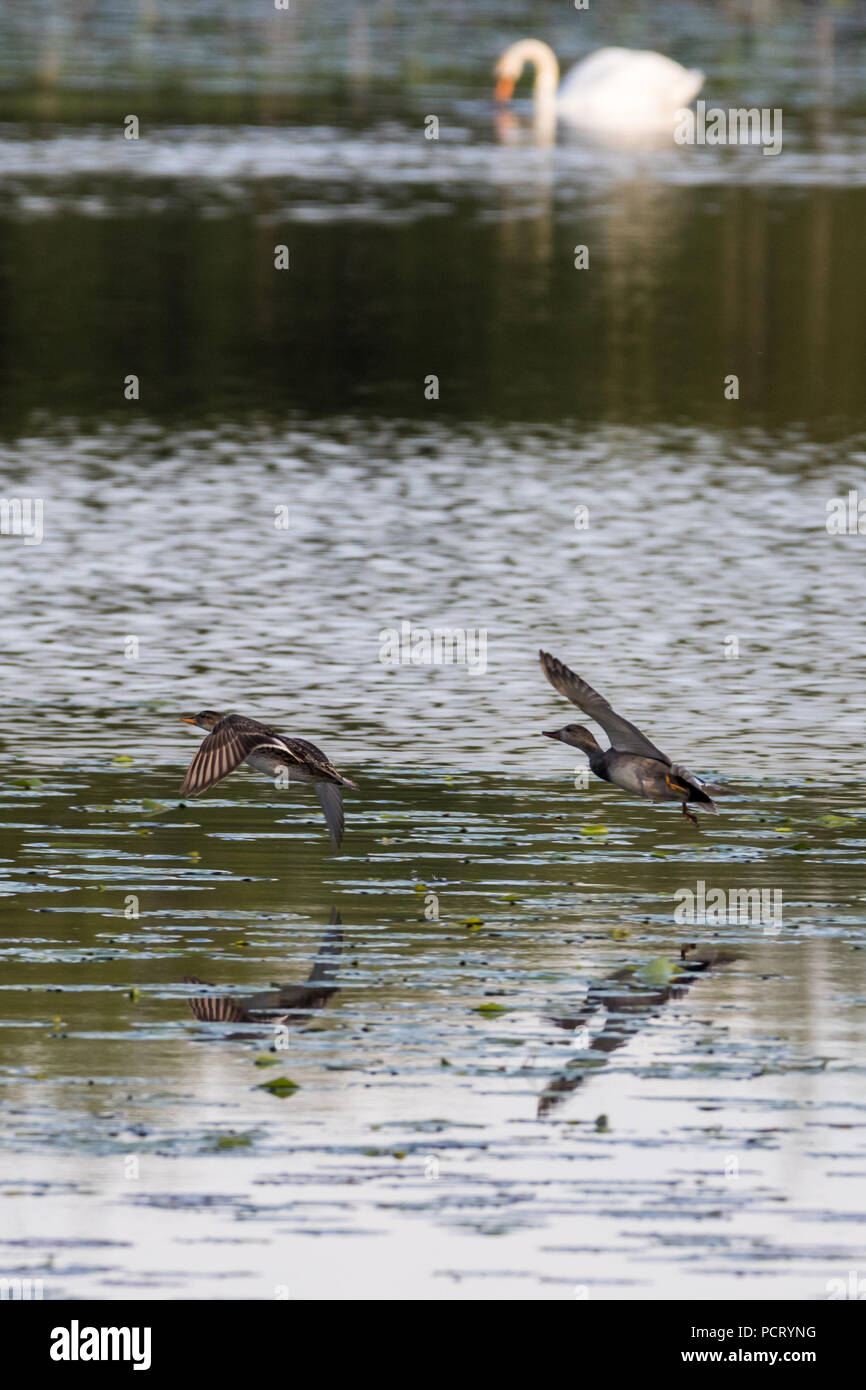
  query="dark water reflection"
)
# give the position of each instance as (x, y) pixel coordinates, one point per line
(686, 285)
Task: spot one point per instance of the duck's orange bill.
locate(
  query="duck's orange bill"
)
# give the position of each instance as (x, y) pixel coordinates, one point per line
(504, 88)
(185, 719)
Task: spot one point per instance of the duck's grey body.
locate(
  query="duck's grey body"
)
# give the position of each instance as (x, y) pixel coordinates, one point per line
(632, 762)
(640, 776)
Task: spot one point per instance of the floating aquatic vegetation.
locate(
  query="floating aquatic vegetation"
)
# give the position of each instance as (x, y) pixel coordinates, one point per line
(280, 1086)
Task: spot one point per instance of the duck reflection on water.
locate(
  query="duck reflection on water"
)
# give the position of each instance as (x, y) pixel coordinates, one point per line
(629, 998)
(280, 1004)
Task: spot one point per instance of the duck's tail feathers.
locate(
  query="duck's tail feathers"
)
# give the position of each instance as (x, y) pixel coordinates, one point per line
(700, 791)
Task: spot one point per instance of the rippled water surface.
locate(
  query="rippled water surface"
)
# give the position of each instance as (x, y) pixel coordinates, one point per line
(480, 1053)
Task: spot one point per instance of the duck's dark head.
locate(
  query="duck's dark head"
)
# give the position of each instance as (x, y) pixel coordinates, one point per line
(577, 736)
(206, 719)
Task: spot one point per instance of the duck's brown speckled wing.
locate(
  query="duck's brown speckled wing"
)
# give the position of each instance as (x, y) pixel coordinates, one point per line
(624, 737)
(226, 747)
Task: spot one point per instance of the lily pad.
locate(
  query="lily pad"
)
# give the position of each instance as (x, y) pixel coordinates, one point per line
(232, 1141)
(659, 971)
(280, 1086)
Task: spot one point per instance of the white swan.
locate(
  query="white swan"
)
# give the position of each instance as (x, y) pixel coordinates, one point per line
(613, 89)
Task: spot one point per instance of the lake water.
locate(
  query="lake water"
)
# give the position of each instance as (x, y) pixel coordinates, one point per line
(524, 1076)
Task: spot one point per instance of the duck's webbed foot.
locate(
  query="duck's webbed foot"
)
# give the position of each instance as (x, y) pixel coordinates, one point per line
(690, 815)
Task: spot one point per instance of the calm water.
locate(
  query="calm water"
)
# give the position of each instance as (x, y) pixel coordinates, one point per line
(505, 1082)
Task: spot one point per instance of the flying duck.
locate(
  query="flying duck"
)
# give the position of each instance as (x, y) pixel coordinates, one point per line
(631, 762)
(233, 739)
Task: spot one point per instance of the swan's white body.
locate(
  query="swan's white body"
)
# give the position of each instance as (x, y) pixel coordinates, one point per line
(614, 89)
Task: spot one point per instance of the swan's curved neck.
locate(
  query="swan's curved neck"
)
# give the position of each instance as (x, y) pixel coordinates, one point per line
(543, 59)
